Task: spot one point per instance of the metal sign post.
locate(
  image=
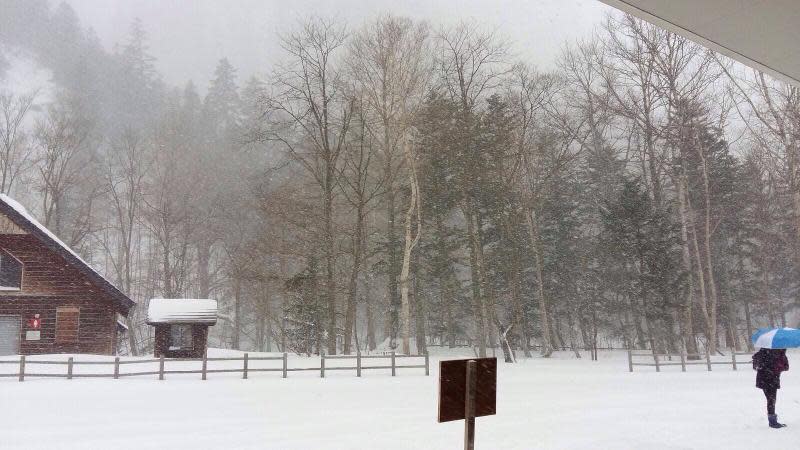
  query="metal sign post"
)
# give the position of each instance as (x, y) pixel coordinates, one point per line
(469, 406)
(467, 389)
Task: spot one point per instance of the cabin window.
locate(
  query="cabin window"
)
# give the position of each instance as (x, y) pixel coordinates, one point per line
(10, 272)
(180, 337)
(67, 324)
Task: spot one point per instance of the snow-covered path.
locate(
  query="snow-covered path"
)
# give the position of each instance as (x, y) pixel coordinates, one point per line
(560, 403)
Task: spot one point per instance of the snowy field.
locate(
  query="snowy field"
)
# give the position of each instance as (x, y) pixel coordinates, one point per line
(561, 403)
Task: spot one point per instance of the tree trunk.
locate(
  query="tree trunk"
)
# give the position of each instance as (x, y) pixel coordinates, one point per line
(413, 231)
(371, 343)
(267, 318)
(330, 266)
(419, 312)
(571, 331)
(533, 234)
(486, 288)
(557, 333)
(167, 277)
(392, 319)
(237, 311)
(352, 290)
(636, 323)
(711, 279)
(687, 317)
(765, 294)
(261, 326)
(446, 291)
(481, 327)
(203, 261)
(508, 354)
(711, 331)
(520, 321)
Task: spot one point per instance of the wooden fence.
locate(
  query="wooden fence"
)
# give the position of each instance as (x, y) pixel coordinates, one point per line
(24, 364)
(660, 360)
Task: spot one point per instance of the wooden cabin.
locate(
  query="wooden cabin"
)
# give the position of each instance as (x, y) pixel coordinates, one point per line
(181, 326)
(51, 300)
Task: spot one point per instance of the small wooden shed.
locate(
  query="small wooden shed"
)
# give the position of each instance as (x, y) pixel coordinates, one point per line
(181, 326)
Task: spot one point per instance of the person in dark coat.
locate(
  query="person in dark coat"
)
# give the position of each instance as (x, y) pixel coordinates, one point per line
(769, 364)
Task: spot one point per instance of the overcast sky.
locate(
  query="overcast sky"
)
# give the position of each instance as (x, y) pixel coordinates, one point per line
(189, 36)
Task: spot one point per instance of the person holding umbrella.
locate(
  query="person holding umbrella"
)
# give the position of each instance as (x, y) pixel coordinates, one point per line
(770, 361)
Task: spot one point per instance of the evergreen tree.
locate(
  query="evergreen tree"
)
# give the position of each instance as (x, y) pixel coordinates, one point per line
(222, 105)
(645, 244)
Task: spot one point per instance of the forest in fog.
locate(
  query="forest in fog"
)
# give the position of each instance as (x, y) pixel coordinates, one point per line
(396, 184)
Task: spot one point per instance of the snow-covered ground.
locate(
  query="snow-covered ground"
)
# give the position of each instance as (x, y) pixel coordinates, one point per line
(561, 403)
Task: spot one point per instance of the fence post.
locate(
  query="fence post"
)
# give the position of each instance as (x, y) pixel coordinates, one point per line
(655, 358)
(285, 365)
(205, 364)
(733, 358)
(683, 361)
(69, 368)
(427, 365)
(469, 406)
(708, 360)
(630, 360)
(161, 368)
(22, 368)
(283, 335)
(358, 363)
(393, 363)
(116, 368)
(244, 371)
(322, 365)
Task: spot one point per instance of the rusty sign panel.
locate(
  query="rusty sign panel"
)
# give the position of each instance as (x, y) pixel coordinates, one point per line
(453, 388)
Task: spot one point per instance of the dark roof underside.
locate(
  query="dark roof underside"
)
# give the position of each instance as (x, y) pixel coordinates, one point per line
(762, 34)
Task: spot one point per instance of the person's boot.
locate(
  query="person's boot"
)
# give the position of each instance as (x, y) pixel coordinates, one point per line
(773, 421)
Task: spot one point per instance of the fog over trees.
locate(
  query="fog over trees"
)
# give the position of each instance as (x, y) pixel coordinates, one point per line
(396, 184)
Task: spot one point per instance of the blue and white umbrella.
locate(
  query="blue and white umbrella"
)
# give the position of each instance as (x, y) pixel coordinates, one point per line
(776, 338)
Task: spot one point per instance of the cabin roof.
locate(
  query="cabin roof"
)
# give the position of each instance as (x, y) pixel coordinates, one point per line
(23, 219)
(182, 310)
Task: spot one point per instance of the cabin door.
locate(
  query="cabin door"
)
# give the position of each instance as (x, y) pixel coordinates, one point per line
(9, 335)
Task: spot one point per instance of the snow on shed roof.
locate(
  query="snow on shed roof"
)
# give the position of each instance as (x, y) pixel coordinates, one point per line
(22, 218)
(182, 310)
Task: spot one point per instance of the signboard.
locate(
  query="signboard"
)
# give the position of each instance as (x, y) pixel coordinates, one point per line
(35, 322)
(33, 335)
(453, 388)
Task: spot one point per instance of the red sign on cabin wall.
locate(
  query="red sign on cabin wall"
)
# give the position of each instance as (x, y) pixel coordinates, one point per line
(35, 322)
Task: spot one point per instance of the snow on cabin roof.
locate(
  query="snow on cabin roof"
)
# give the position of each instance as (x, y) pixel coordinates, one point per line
(182, 310)
(22, 218)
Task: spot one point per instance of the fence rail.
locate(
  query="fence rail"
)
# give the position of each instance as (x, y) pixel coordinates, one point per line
(25, 366)
(685, 359)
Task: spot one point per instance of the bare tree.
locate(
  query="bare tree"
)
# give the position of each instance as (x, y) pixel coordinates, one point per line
(170, 198)
(63, 136)
(310, 117)
(360, 188)
(529, 93)
(125, 175)
(471, 63)
(389, 62)
(15, 144)
(771, 111)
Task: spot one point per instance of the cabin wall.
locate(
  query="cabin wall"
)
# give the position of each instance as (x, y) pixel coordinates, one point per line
(97, 331)
(45, 272)
(199, 342)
